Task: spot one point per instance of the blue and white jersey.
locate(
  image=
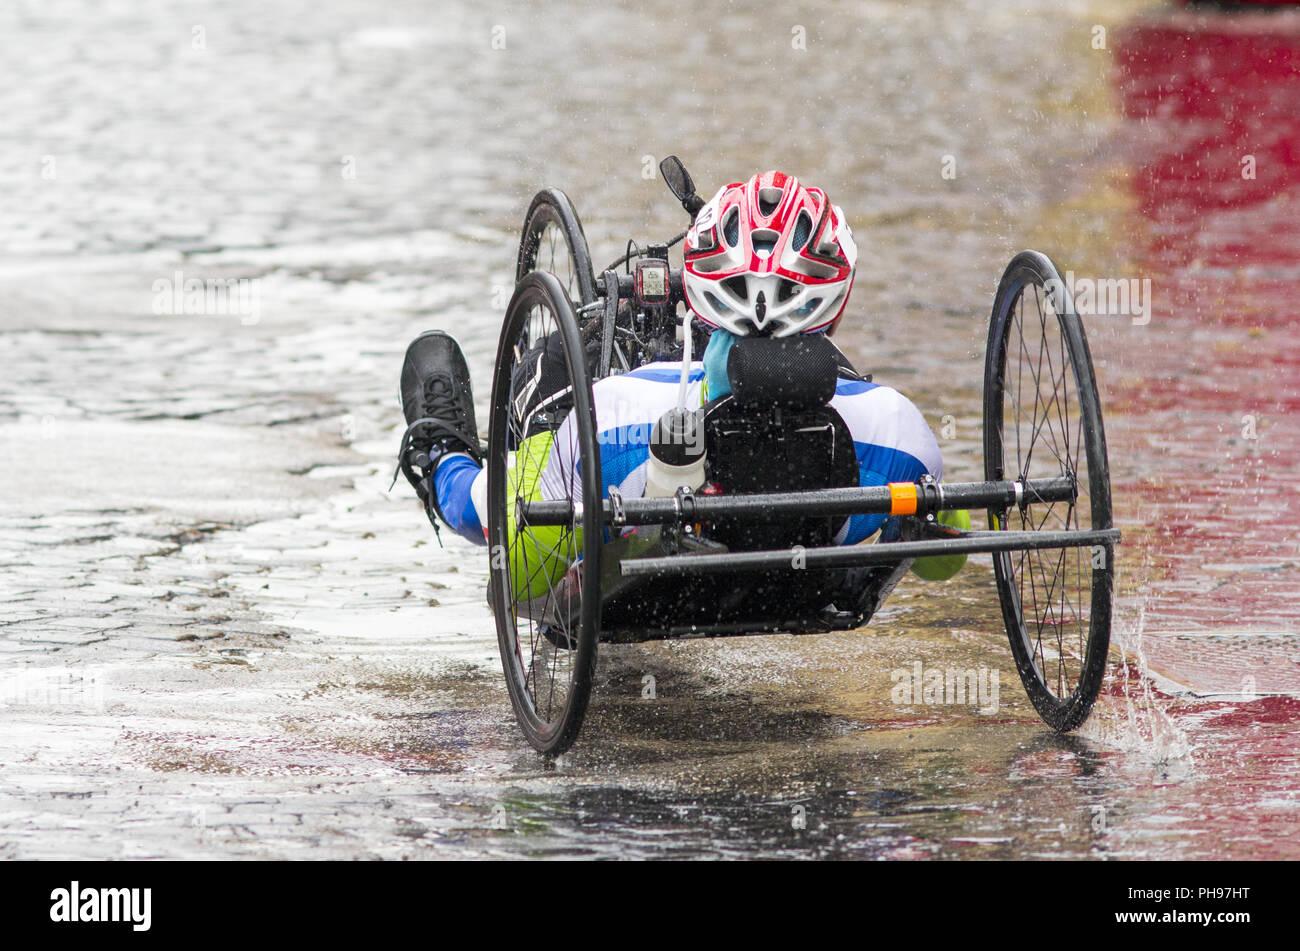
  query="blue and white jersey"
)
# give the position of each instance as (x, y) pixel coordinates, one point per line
(627, 408)
(891, 438)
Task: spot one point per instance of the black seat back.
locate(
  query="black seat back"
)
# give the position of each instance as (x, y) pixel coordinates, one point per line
(798, 371)
(776, 432)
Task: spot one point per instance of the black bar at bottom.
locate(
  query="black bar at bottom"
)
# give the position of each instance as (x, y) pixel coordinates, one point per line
(853, 556)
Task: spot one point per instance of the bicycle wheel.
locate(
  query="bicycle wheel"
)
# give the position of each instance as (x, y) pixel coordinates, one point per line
(553, 240)
(545, 580)
(1042, 419)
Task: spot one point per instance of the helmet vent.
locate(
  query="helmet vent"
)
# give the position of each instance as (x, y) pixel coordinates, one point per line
(731, 228)
(737, 286)
(785, 290)
(802, 229)
(768, 200)
(764, 242)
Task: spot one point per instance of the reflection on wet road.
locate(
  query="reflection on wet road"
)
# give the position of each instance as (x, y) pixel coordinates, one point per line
(221, 636)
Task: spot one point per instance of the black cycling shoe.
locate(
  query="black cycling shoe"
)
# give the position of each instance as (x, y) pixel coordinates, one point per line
(439, 406)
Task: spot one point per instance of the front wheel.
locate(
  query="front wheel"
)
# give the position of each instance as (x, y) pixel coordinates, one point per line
(544, 584)
(1042, 420)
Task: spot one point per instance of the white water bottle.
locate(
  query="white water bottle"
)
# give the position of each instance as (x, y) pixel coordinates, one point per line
(676, 454)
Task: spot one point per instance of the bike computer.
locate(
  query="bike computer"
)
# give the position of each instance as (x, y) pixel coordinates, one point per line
(651, 282)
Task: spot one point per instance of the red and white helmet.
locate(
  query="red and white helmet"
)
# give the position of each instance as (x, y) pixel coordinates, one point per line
(771, 257)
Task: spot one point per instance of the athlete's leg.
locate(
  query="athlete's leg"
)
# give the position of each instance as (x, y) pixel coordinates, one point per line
(440, 452)
(460, 490)
(438, 403)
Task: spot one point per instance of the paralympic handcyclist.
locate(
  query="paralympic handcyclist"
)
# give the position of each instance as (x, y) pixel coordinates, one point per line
(766, 257)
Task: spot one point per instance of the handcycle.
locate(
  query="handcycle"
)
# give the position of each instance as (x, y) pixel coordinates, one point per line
(750, 551)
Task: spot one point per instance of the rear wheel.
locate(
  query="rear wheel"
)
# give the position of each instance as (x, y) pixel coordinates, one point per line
(553, 241)
(1042, 419)
(545, 580)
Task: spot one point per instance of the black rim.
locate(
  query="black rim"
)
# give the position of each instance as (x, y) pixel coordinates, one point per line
(553, 241)
(547, 617)
(1042, 419)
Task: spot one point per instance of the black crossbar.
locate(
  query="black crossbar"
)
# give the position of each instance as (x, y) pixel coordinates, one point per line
(855, 500)
(853, 556)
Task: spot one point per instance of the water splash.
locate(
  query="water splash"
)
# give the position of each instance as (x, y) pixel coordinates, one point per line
(1135, 720)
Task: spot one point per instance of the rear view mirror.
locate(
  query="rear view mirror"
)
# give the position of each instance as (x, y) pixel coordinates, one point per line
(680, 183)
